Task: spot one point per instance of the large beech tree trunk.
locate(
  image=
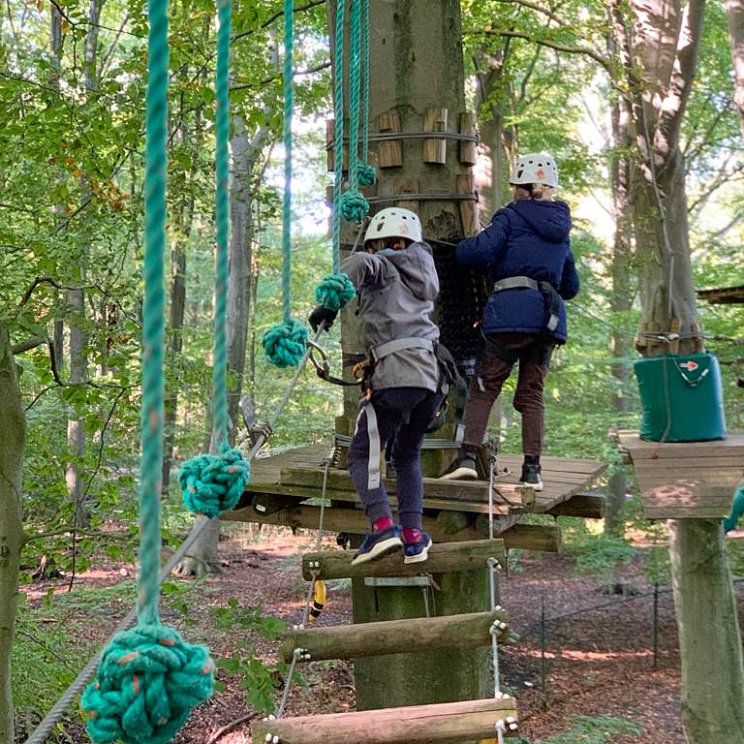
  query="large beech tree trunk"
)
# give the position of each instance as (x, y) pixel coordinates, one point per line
(12, 441)
(710, 645)
(665, 42)
(416, 65)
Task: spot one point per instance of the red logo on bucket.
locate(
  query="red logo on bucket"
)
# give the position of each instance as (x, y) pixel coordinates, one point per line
(690, 366)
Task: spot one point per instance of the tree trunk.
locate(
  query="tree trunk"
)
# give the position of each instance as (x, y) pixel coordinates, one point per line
(12, 441)
(183, 217)
(665, 46)
(621, 267)
(76, 301)
(709, 638)
(735, 15)
(415, 65)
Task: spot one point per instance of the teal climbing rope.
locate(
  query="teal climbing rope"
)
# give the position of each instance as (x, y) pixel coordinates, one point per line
(284, 344)
(212, 484)
(338, 131)
(367, 173)
(354, 206)
(149, 678)
(222, 219)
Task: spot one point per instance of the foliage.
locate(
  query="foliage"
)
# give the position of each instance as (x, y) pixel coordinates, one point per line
(259, 680)
(587, 730)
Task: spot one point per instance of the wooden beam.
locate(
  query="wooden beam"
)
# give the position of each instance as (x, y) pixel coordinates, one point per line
(545, 537)
(443, 558)
(526, 536)
(586, 505)
(408, 636)
(412, 724)
(339, 519)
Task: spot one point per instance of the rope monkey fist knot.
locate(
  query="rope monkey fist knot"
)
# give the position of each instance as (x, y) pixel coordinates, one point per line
(148, 681)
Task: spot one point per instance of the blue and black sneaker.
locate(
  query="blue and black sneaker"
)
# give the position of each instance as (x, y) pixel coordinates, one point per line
(377, 544)
(417, 551)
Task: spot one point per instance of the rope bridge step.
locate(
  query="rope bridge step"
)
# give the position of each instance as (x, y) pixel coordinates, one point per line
(408, 636)
(414, 724)
(443, 557)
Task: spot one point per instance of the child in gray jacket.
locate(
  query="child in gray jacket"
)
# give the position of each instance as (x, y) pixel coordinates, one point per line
(397, 286)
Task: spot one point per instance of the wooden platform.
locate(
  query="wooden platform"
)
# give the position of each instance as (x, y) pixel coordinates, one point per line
(288, 481)
(686, 480)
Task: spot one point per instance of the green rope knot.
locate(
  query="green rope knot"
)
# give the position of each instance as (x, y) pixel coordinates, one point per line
(367, 174)
(148, 681)
(213, 484)
(334, 291)
(354, 207)
(285, 343)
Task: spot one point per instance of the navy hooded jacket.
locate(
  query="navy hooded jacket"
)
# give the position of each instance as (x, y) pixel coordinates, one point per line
(528, 238)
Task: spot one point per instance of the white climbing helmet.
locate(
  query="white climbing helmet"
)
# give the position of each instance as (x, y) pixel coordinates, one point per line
(535, 167)
(394, 222)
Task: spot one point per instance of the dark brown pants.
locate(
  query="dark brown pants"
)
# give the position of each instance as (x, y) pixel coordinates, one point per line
(494, 366)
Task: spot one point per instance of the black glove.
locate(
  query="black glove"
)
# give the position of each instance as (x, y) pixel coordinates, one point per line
(320, 315)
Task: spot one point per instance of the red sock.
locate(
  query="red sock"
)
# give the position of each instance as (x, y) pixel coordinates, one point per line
(412, 535)
(383, 523)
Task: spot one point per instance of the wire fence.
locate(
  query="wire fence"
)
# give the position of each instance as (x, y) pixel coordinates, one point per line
(640, 626)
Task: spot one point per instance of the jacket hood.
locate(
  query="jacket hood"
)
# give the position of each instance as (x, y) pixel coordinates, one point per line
(413, 265)
(551, 220)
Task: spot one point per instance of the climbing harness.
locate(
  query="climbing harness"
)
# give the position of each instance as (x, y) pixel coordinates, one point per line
(550, 295)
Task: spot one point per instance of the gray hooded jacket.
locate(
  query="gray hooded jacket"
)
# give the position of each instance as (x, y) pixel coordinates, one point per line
(397, 290)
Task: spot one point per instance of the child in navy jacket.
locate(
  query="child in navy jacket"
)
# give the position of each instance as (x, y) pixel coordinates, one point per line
(530, 268)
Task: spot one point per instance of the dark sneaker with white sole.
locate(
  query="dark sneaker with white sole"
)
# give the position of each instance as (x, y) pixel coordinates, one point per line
(462, 469)
(418, 551)
(531, 476)
(377, 544)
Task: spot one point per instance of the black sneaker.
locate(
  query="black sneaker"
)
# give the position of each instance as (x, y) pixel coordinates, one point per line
(417, 552)
(377, 544)
(461, 469)
(531, 476)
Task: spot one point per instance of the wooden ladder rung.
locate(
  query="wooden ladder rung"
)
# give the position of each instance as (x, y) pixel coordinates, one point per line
(409, 635)
(413, 724)
(443, 557)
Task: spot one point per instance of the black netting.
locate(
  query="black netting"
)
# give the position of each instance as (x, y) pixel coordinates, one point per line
(462, 297)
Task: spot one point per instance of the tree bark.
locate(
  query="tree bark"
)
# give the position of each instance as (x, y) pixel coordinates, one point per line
(415, 64)
(76, 301)
(709, 638)
(12, 441)
(666, 44)
(735, 15)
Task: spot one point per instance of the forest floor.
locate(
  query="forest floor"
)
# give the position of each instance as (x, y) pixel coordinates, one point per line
(597, 657)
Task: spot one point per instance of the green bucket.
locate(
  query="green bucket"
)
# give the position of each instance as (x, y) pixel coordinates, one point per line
(682, 398)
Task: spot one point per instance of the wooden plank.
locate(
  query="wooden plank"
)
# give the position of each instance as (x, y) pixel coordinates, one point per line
(410, 635)
(734, 443)
(544, 537)
(445, 557)
(586, 505)
(339, 519)
(412, 724)
(686, 480)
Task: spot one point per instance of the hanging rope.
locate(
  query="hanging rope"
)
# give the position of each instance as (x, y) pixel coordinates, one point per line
(149, 678)
(367, 173)
(354, 206)
(284, 344)
(338, 132)
(213, 483)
